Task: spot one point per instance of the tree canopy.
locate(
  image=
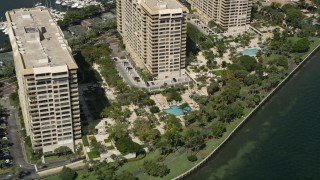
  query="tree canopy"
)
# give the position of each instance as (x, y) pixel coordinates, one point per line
(67, 174)
(155, 169)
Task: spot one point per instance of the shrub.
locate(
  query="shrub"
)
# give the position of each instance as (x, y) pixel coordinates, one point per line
(184, 105)
(63, 150)
(67, 174)
(110, 148)
(14, 99)
(155, 169)
(192, 158)
(92, 139)
(154, 109)
(125, 145)
(107, 140)
(218, 130)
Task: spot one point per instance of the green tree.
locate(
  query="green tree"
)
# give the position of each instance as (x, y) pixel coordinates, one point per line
(155, 169)
(213, 87)
(118, 130)
(294, 17)
(172, 123)
(125, 145)
(191, 117)
(194, 139)
(302, 45)
(218, 130)
(249, 63)
(232, 90)
(192, 158)
(154, 109)
(67, 174)
(63, 150)
(170, 142)
(142, 128)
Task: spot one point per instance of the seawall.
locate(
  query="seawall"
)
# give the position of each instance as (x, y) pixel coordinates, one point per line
(252, 112)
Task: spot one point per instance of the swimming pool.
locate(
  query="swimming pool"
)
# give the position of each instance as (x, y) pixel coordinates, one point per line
(250, 52)
(177, 111)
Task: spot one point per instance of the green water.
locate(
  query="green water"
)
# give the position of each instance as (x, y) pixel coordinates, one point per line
(282, 141)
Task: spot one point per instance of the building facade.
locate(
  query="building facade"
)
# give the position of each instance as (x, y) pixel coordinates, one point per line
(47, 77)
(230, 15)
(154, 32)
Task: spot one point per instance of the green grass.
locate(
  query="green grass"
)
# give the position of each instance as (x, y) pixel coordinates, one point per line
(218, 72)
(29, 155)
(85, 141)
(6, 170)
(93, 154)
(50, 159)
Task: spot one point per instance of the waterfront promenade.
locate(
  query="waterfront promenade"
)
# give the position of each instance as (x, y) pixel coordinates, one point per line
(252, 112)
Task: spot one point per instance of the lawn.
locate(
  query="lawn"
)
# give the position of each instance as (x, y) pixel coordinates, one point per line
(29, 152)
(93, 154)
(50, 159)
(218, 72)
(85, 141)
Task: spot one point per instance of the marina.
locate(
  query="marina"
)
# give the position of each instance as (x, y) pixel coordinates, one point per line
(57, 9)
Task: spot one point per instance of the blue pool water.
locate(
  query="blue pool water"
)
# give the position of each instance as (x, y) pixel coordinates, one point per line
(177, 111)
(250, 52)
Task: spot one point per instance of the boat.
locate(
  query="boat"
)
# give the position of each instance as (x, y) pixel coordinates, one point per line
(75, 5)
(64, 4)
(38, 4)
(58, 2)
(5, 31)
(80, 6)
(3, 25)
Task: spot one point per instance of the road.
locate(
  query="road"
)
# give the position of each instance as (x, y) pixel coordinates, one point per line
(14, 137)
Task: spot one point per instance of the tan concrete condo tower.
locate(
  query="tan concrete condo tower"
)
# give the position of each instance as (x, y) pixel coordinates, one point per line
(154, 32)
(231, 15)
(47, 79)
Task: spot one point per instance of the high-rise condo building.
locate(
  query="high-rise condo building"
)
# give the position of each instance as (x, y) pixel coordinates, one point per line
(154, 32)
(230, 15)
(47, 79)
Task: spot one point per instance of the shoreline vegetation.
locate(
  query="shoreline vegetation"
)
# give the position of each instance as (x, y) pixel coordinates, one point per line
(247, 117)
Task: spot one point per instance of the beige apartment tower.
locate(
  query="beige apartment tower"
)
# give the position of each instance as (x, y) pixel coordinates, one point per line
(154, 32)
(47, 79)
(230, 15)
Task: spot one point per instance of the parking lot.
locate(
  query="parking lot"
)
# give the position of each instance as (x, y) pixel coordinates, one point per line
(11, 152)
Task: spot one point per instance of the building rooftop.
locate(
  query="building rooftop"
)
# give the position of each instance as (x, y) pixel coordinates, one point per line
(163, 4)
(38, 39)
